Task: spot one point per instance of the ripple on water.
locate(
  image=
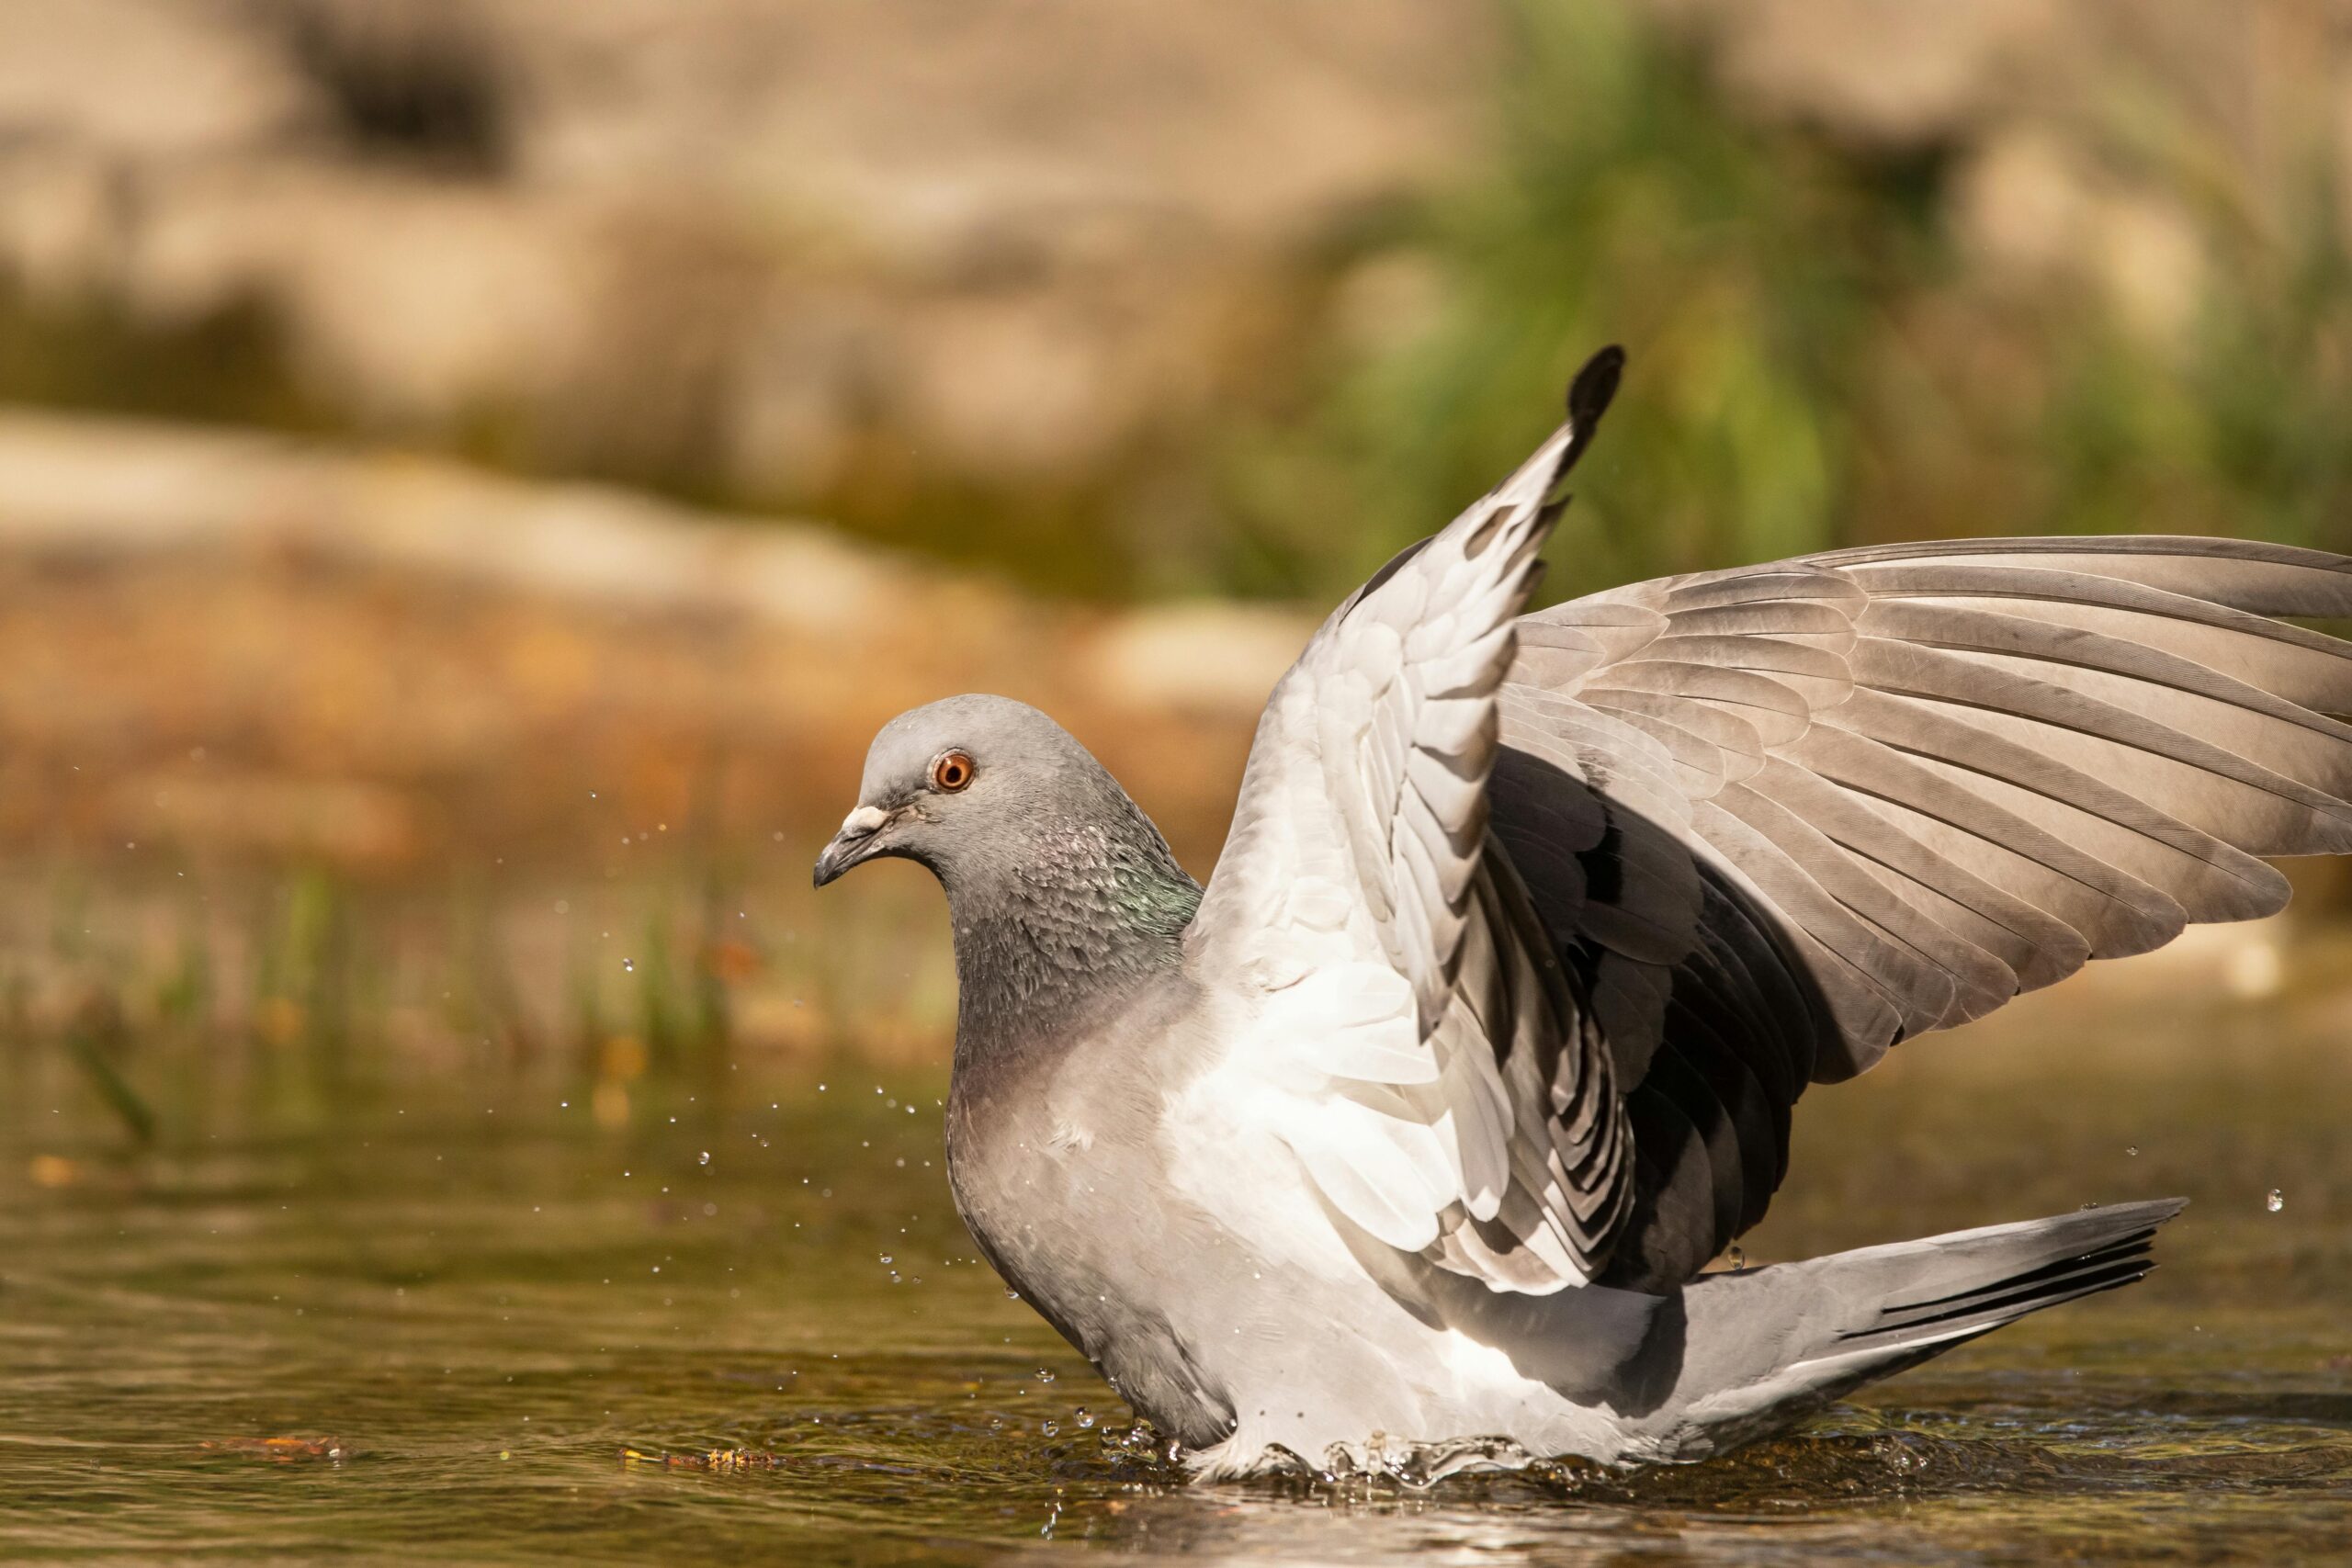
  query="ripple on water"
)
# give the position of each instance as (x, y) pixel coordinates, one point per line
(407, 1333)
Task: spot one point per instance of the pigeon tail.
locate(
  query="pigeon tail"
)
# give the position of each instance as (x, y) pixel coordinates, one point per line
(1764, 1348)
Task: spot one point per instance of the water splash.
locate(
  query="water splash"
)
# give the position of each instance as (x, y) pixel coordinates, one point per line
(1383, 1464)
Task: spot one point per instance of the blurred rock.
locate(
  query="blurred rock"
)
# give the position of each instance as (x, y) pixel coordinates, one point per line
(115, 490)
(1214, 659)
(2028, 209)
(723, 238)
(163, 79)
(410, 302)
(2091, 140)
(876, 260)
(961, 138)
(1892, 72)
(2023, 203)
(229, 650)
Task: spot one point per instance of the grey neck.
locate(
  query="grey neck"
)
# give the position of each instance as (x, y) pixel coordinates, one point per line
(1083, 911)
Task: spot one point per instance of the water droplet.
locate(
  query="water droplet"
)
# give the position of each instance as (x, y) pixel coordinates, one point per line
(2131, 1149)
(629, 964)
(1012, 1295)
(2275, 1202)
(706, 1158)
(886, 1258)
(1051, 1428)
(1739, 1256)
(1044, 1374)
(1085, 1416)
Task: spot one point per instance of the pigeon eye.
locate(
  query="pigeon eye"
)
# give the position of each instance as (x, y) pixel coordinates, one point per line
(953, 772)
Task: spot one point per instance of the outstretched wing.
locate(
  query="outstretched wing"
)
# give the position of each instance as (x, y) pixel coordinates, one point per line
(1412, 1038)
(1778, 819)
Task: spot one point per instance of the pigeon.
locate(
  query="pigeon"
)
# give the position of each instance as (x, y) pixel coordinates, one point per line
(1417, 1130)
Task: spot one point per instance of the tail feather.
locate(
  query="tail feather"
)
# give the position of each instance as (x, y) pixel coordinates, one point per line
(1765, 1347)
(2103, 1261)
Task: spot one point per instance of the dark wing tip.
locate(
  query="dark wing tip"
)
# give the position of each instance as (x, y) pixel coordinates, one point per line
(1595, 385)
(1589, 397)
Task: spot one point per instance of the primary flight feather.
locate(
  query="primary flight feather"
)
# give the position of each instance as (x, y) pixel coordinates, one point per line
(1415, 1127)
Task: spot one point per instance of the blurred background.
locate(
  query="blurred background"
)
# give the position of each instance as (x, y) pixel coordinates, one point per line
(474, 473)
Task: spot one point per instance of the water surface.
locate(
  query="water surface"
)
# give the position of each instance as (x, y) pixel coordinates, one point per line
(439, 1323)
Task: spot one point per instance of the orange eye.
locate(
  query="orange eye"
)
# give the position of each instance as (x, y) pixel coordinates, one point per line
(953, 772)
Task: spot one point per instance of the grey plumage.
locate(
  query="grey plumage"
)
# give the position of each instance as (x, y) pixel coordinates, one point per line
(1898, 786)
(1061, 890)
(1420, 1123)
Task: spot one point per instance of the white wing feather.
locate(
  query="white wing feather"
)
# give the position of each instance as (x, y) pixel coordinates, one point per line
(1412, 1041)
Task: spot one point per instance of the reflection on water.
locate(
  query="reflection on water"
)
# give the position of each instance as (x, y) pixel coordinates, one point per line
(436, 1328)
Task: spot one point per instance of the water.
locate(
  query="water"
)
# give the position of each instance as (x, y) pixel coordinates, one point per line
(427, 1325)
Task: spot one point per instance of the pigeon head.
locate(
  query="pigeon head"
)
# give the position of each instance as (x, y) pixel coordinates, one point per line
(1060, 887)
(980, 788)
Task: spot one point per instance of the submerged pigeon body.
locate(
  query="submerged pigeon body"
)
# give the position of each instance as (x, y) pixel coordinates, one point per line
(1418, 1128)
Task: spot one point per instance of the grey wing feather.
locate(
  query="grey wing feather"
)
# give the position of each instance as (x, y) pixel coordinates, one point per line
(1777, 820)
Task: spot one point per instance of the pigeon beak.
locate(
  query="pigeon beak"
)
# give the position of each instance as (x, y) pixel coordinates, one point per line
(857, 840)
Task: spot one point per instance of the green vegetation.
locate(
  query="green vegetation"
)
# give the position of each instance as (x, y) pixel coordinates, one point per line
(231, 364)
(1812, 363)
(1743, 273)
(2248, 428)
(298, 1002)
